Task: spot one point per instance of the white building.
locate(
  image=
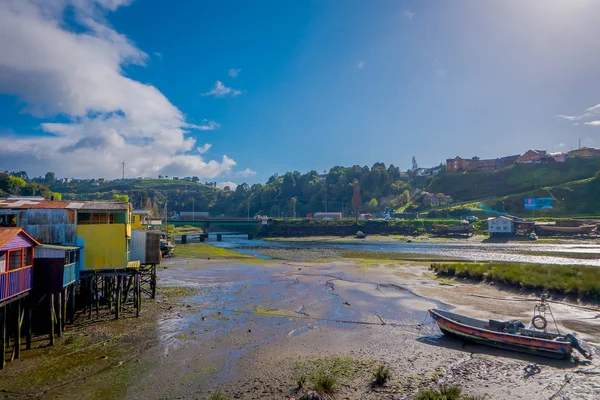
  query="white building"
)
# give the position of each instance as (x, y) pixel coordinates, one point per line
(501, 225)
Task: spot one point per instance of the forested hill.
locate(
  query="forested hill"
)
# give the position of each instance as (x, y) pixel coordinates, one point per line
(280, 195)
(572, 183)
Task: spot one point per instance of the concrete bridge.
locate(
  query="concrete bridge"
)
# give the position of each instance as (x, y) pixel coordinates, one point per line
(237, 224)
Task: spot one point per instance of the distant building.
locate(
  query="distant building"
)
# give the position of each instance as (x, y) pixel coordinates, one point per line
(322, 177)
(140, 219)
(476, 164)
(436, 200)
(532, 157)
(327, 215)
(584, 152)
(506, 225)
(558, 157)
(213, 184)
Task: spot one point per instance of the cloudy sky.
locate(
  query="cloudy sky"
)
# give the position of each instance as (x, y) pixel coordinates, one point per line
(234, 91)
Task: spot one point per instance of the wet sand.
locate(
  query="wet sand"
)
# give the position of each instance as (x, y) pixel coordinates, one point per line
(252, 329)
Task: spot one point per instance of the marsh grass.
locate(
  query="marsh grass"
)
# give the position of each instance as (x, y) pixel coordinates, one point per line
(445, 393)
(576, 280)
(218, 395)
(381, 375)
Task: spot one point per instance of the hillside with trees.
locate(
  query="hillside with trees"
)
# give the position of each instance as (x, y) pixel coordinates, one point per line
(343, 189)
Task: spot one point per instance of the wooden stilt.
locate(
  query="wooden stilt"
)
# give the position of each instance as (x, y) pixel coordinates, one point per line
(3, 337)
(29, 327)
(118, 295)
(59, 316)
(52, 318)
(64, 308)
(18, 329)
(73, 303)
(153, 281)
(138, 299)
(90, 298)
(97, 294)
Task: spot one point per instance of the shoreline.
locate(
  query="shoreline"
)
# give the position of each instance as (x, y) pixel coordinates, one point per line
(251, 328)
(431, 239)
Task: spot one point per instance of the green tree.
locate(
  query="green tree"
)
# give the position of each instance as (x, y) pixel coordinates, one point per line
(372, 205)
(15, 184)
(120, 197)
(50, 178)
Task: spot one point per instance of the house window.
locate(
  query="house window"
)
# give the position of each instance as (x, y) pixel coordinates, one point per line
(14, 260)
(2, 262)
(100, 218)
(28, 256)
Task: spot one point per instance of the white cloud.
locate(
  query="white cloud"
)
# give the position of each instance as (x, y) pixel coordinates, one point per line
(593, 123)
(206, 126)
(246, 173)
(204, 149)
(408, 14)
(220, 90)
(360, 64)
(232, 185)
(111, 117)
(234, 72)
(589, 113)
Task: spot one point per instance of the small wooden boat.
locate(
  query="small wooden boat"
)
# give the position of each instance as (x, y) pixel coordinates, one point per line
(464, 228)
(571, 230)
(509, 335)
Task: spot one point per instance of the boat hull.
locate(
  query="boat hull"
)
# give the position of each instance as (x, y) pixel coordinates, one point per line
(505, 341)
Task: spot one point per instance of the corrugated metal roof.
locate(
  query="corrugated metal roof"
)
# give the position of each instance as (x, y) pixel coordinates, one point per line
(58, 247)
(143, 212)
(74, 205)
(8, 233)
(104, 205)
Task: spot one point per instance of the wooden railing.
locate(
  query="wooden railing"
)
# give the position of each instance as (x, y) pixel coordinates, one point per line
(15, 282)
(70, 274)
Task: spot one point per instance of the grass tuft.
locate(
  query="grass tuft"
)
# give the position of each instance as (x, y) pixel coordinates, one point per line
(325, 384)
(445, 393)
(382, 375)
(218, 395)
(301, 381)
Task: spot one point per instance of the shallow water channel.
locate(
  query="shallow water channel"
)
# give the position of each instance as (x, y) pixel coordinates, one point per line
(473, 251)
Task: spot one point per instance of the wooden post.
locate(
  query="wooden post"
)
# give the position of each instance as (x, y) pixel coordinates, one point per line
(59, 309)
(29, 324)
(118, 299)
(51, 319)
(3, 337)
(18, 329)
(97, 294)
(90, 298)
(153, 281)
(65, 297)
(72, 303)
(138, 294)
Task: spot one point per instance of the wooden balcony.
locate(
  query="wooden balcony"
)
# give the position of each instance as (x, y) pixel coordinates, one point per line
(15, 282)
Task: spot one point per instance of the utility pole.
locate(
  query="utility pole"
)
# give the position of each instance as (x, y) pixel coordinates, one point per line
(294, 208)
(248, 209)
(193, 210)
(123, 169)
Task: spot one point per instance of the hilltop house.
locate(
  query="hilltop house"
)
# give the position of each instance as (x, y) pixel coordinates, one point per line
(476, 164)
(532, 157)
(584, 152)
(436, 200)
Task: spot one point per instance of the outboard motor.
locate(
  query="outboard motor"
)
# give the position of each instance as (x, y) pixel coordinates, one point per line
(575, 344)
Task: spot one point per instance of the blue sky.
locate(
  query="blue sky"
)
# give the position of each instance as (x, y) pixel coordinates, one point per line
(316, 84)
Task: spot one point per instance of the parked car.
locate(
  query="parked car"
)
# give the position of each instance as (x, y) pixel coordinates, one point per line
(472, 219)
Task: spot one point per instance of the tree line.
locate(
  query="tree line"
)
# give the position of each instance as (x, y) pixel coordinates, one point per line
(343, 189)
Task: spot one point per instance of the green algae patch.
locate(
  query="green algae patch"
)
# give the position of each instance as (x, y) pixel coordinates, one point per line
(344, 369)
(207, 251)
(170, 292)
